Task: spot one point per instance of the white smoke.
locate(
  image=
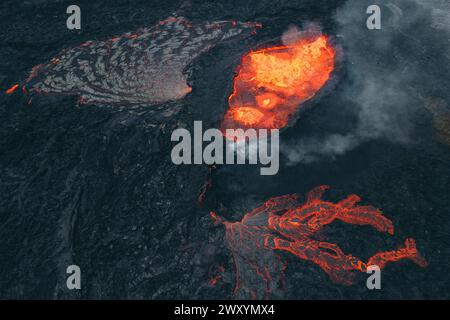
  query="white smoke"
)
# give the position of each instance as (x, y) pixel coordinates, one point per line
(293, 34)
(380, 91)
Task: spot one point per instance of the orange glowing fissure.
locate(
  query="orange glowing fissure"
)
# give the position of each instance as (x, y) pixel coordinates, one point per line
(272, 83)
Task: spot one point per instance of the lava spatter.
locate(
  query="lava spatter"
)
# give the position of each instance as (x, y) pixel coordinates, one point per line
(272, 83)
(145, 67)
(284, 224)
(12, 89)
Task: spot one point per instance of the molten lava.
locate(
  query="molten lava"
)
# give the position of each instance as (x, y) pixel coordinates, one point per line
(272, 83)
(12, 89)
(147, 67)
(283, 224)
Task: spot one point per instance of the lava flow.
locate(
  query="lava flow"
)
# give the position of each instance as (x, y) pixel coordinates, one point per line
(272, 83)
(145, 67)
(283, 224)
(12, 89)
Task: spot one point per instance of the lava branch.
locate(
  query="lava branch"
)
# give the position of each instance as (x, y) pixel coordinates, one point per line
(282, 224)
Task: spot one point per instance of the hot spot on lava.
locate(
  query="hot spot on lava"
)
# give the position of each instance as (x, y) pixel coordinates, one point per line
(272, 83)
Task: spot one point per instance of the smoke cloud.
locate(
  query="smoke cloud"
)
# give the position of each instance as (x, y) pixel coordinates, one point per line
(386, 73)
(293, 34)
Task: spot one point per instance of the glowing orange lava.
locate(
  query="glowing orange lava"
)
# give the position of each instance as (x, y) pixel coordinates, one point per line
(285, 224)
(12, 89)
(272, 83)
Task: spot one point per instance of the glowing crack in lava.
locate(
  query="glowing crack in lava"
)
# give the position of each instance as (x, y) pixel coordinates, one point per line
(272, 83)
(144, 67)
(283, 224)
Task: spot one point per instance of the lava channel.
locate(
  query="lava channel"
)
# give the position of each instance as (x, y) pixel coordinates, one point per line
(284, 224)
(272, 83)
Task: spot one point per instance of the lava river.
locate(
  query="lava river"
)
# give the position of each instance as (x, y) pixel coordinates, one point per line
(286, 224)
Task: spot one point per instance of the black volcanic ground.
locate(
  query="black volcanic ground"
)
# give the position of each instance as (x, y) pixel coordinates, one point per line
(95, 185)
